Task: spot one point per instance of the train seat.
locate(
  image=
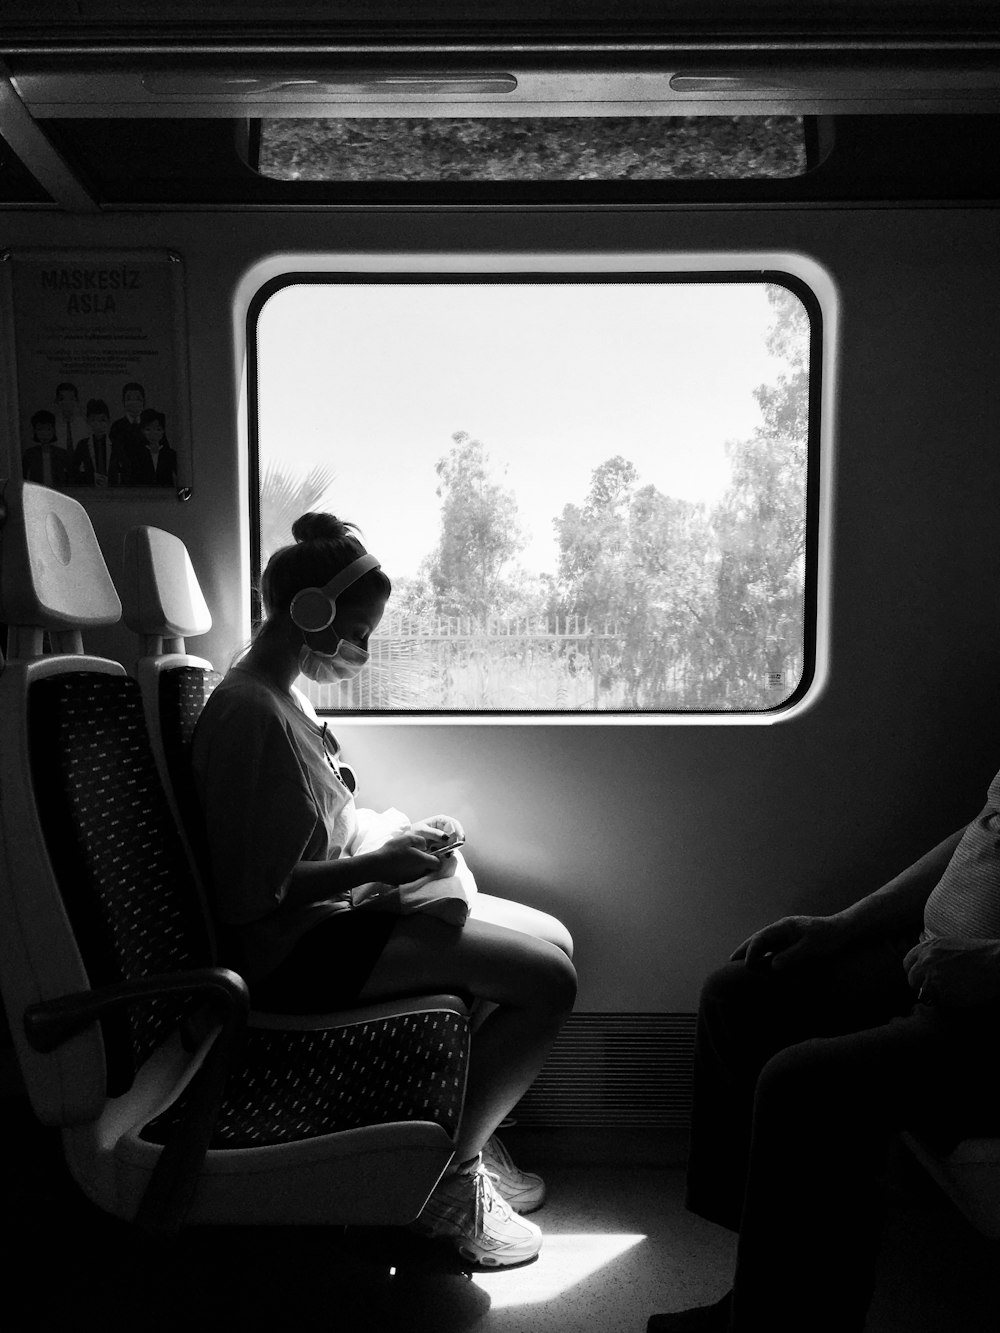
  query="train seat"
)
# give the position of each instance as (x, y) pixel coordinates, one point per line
(162, 602)
(172, 1107)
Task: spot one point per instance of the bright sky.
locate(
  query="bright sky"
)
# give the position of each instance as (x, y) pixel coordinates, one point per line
(373, 380)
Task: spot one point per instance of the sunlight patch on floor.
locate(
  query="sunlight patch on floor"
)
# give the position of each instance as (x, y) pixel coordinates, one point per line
(563, 1262)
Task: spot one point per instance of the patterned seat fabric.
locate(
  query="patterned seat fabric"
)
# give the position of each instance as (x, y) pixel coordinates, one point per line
(183, 692)
(298, 1085)
(118, 861)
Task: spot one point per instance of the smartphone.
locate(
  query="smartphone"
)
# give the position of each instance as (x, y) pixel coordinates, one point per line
(446, 847)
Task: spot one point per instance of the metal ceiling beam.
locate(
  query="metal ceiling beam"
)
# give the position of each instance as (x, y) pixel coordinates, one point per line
(269, 89)
(460, 44)
(203, 23)
(38, 155)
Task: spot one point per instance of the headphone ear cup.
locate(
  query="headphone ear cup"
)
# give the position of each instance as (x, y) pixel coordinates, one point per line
(312, 609)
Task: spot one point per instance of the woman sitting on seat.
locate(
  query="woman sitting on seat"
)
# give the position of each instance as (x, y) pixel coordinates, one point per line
(280, 822)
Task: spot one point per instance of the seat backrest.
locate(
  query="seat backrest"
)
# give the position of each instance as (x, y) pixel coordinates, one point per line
(162, 599)
(95, 886)
(163, 604)
(53, 578)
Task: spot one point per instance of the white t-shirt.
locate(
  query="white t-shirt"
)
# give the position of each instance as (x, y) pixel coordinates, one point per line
(267, 777)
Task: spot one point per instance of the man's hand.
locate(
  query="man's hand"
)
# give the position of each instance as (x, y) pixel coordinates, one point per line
(791, 941)
(955, 970)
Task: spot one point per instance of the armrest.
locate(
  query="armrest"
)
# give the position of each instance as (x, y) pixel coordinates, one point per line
(171, 1187)
(49, 1024)
(343, 1018)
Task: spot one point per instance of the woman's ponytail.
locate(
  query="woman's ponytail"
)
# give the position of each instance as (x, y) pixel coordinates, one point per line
(321, 528)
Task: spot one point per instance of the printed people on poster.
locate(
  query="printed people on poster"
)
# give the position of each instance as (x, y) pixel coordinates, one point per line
(92, 458)
(45, 461)
(99, 388)
(156, 461)
(70, 421)
(131, 451)
(125, 432)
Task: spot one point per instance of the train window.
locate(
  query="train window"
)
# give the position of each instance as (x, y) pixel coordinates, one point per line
(571, 148)
(592, 494)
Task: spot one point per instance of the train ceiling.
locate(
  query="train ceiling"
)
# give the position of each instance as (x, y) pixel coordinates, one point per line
(288, 21)
(140, 103)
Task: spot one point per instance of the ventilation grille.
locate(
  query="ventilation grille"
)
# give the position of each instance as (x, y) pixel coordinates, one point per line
(615, 1069)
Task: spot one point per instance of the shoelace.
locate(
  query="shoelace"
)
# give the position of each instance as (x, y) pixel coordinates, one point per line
(503, 1158)
(489, 1199)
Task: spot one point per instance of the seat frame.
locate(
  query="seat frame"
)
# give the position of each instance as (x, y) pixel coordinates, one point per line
(380, 1174)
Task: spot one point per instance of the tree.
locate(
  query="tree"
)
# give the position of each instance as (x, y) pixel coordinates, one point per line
(284, 495)
(480, 534)
(761, 524)
(593, 540)
(706, 607)
(637, 563)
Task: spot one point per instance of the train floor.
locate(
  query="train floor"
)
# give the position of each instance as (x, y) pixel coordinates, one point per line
(618, 1246)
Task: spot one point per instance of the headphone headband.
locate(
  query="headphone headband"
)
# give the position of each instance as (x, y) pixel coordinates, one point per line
(354, 571)
(312, 609)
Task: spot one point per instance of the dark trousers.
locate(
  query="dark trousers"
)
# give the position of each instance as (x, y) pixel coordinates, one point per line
(802, 1078)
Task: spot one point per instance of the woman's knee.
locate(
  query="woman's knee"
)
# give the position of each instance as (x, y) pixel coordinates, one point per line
(528, 920)
(561, 937)
(540, 977)
(522, 972)
(490, 961)
(556, 979)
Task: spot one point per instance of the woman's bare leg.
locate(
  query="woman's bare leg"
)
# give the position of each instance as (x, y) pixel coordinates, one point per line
(531, 981)
(528, 920)
(515, 916)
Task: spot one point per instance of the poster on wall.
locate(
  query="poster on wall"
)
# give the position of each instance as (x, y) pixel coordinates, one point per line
(96, 372)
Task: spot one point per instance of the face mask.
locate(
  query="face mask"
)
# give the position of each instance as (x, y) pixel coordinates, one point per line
(328, 668)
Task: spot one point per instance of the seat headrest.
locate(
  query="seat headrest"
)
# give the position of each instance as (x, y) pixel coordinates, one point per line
(160, 589)
(52, 572)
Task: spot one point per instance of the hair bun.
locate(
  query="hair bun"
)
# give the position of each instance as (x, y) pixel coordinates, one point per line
(319, 527)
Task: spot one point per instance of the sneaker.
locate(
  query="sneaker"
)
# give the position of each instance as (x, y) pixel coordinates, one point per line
(467, 1209)
(523, 1190)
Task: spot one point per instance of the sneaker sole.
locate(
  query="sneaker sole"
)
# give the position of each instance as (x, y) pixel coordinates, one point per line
(492, 1260)
(488, 1259)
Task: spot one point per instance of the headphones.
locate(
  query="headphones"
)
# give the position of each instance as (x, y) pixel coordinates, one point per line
(312, 609)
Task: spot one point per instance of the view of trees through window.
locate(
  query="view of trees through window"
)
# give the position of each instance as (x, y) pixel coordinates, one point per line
(623, 550)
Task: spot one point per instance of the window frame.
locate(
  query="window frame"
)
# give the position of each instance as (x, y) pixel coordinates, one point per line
(801, 275)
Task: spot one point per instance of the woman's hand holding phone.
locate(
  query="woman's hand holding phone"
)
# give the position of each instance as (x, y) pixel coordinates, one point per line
(404, 857)
(446, 848)
(443, 833)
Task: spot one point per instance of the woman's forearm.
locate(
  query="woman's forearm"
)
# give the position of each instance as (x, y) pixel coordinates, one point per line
(314, 881)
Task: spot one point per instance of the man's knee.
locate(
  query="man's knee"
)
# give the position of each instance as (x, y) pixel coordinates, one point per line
(733, 987)
(804, 1076)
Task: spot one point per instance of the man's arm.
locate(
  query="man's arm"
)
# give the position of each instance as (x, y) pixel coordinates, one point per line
(899, 904)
